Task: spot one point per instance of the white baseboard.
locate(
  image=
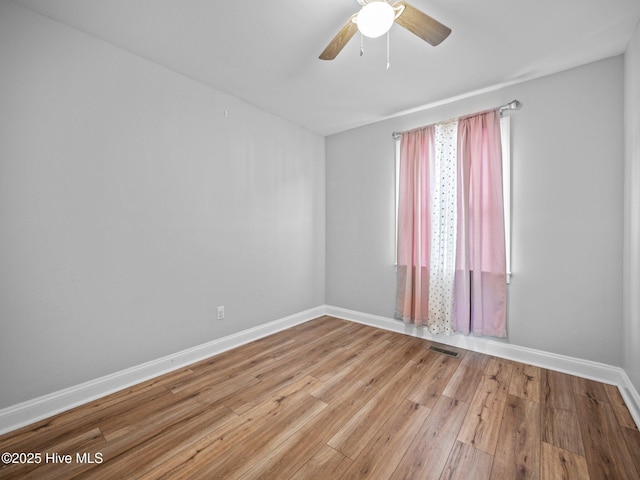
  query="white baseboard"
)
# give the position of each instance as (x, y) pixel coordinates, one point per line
(631, 398)
(31, 411)
(45, 406)
(561, 363)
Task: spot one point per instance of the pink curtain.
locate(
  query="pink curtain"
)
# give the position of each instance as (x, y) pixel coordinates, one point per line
(480, 279)
(414, 238)
(479, 284)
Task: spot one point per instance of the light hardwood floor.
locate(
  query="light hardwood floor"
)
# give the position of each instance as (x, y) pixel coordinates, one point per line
(331, 399)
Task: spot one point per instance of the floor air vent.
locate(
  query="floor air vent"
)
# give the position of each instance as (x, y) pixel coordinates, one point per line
(442, 350)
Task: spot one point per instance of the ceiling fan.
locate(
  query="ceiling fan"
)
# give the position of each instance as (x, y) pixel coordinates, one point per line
(376, 17)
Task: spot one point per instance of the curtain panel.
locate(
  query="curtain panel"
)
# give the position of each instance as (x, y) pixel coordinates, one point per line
(451, 273)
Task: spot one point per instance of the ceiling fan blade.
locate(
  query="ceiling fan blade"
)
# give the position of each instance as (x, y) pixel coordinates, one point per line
(340, 40)
(421, 24)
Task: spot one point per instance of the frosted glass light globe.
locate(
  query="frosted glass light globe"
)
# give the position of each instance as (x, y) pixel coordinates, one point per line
(375, 19)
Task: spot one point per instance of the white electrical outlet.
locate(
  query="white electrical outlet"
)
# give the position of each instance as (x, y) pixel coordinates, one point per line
(220, 312)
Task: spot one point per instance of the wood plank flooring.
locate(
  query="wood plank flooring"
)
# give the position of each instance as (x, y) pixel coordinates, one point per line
(331, 399)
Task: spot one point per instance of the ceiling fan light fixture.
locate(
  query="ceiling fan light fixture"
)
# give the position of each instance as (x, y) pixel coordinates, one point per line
(375, 19)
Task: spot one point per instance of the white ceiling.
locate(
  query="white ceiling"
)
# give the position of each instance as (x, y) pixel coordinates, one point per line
(265, 52)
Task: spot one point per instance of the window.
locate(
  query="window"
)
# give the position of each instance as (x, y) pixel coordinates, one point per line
(505, 129)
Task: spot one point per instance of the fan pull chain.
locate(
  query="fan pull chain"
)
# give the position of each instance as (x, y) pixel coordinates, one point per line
(388, 62)
(361, 44)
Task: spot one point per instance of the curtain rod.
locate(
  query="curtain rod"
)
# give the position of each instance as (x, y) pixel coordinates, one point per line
(512, 105)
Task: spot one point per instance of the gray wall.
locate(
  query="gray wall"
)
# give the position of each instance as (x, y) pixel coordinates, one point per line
(567, 182)
(130, 207)
(632, 212)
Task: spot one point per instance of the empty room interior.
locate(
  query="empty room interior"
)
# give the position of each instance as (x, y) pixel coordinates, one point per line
(209, 219)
